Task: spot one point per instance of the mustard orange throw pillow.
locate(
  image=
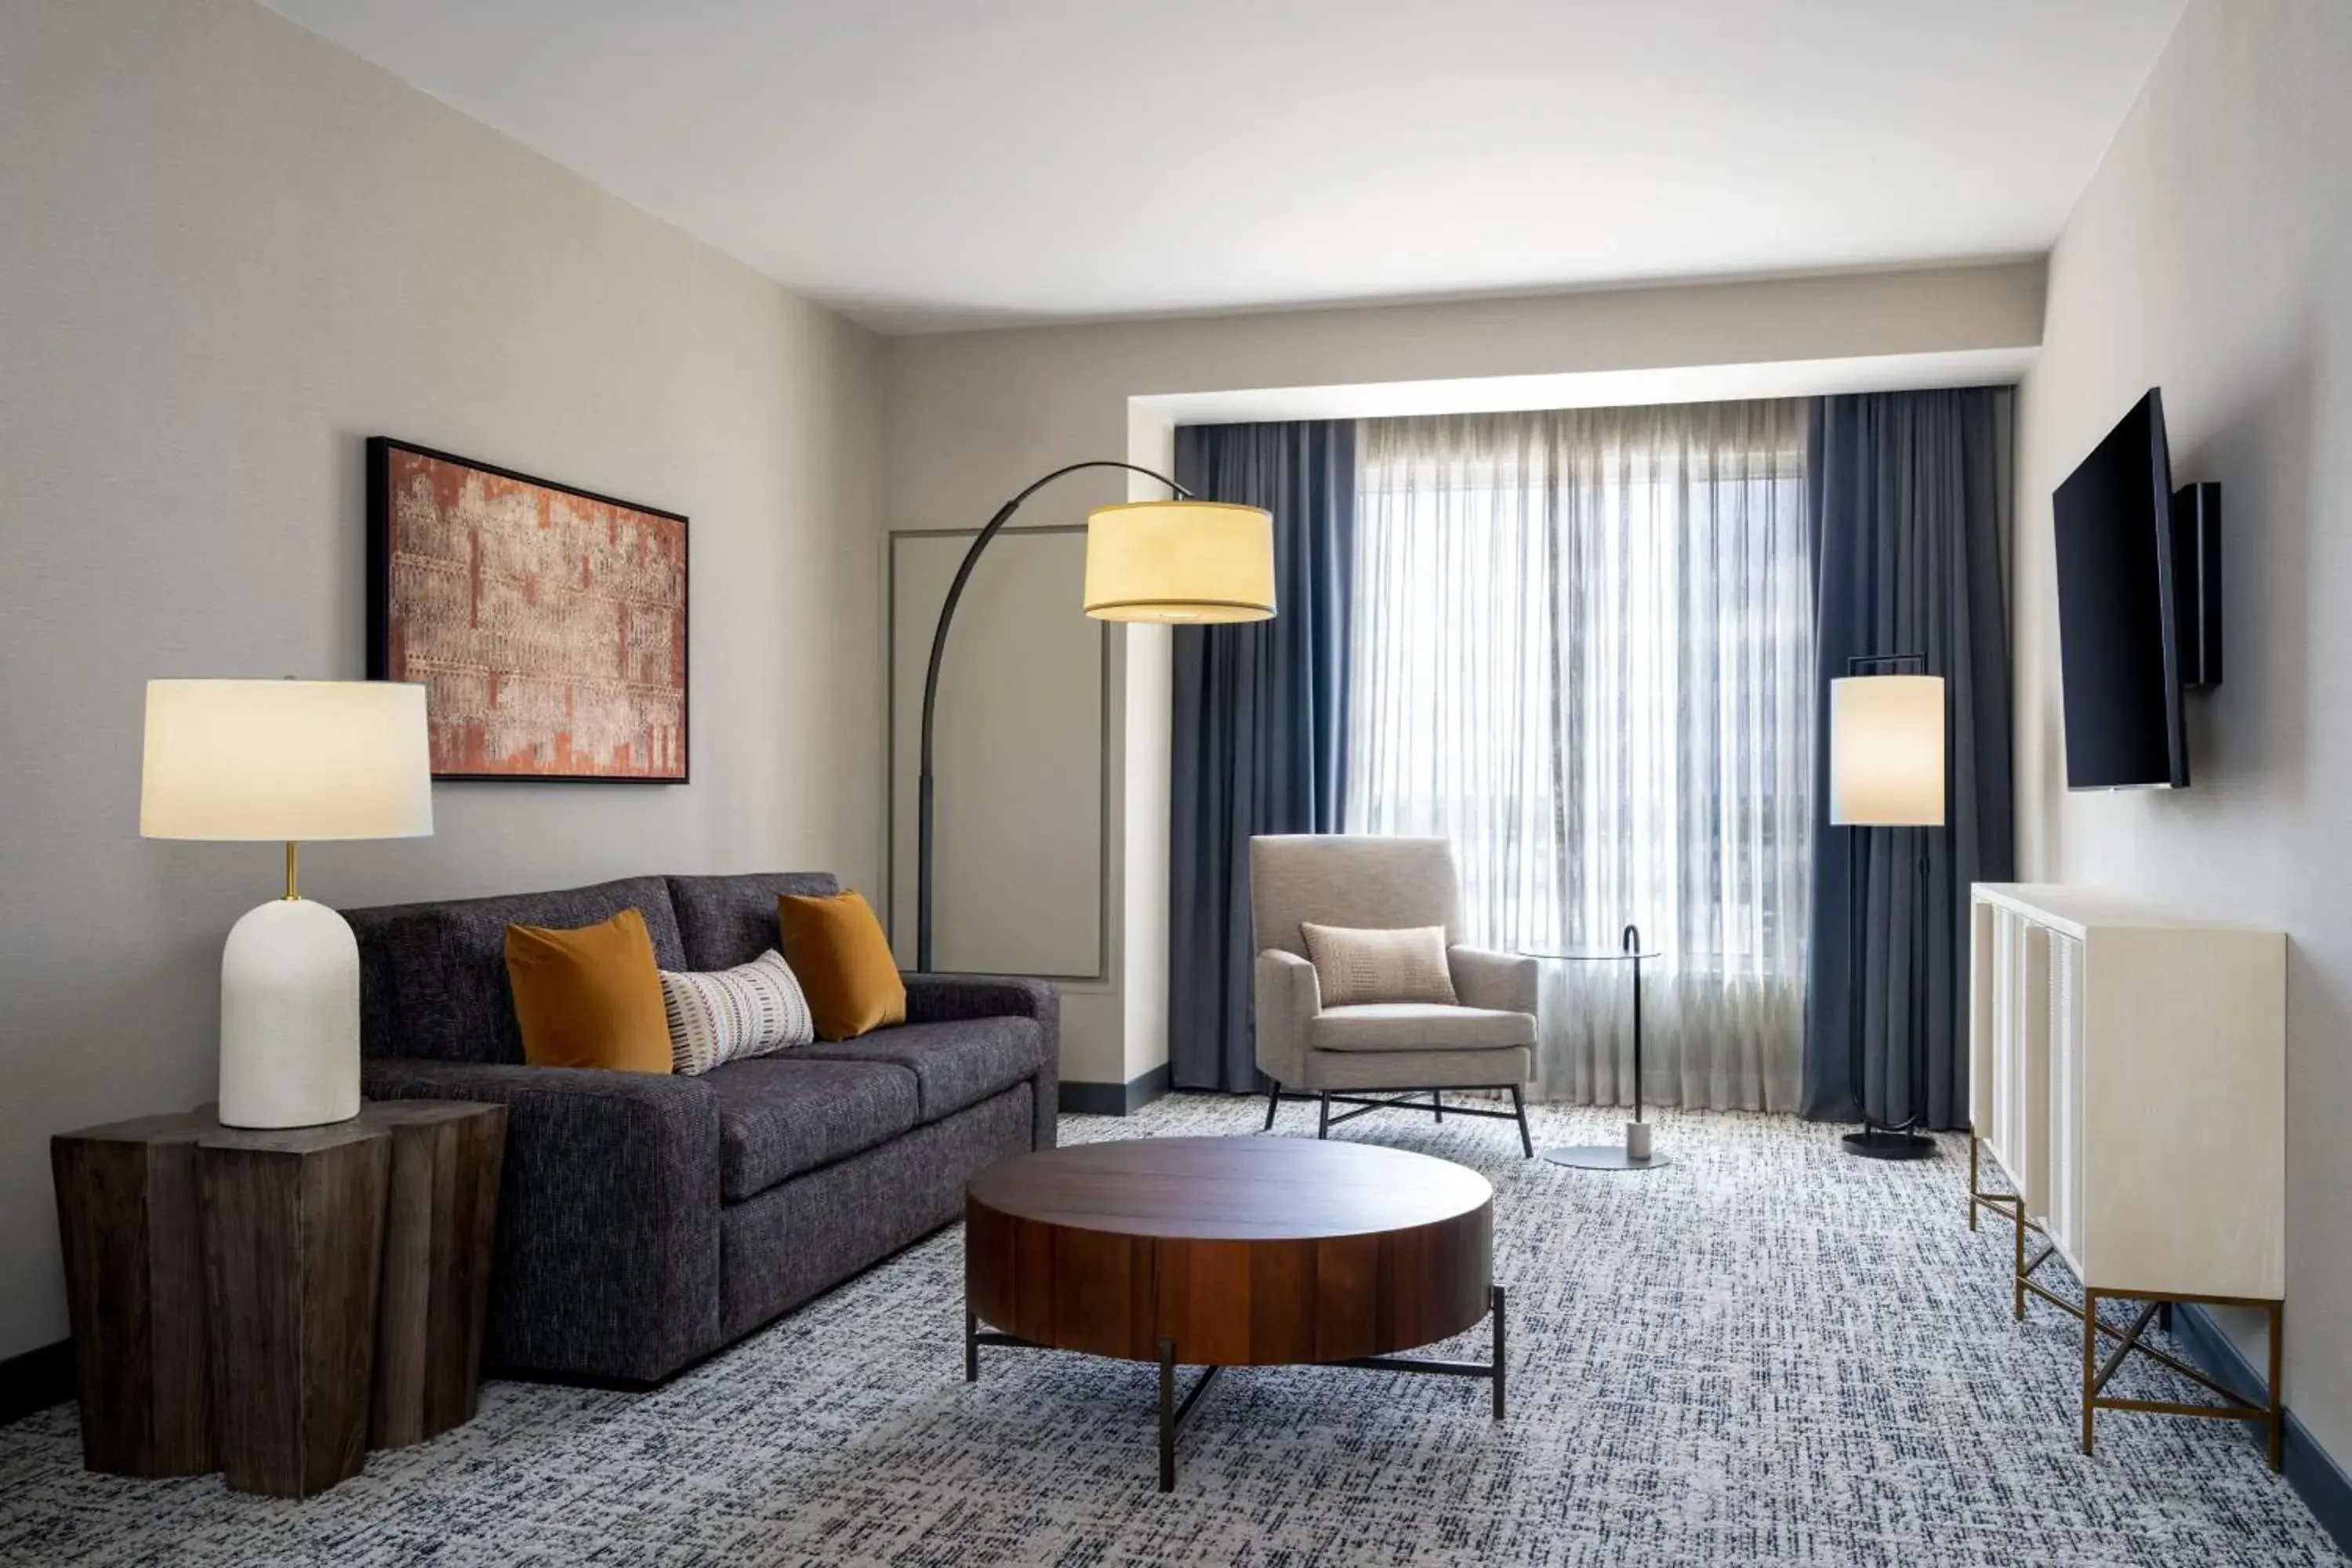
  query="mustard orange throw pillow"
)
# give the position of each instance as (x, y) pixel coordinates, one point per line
(590, 997)
(836, 948)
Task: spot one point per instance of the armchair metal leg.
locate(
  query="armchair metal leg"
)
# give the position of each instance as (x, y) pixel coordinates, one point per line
(1365, 1102)
(1273, 1099)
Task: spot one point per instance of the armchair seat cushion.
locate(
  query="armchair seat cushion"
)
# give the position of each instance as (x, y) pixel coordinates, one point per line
(779, 1116)
(955, 1064)
(1417, 1026)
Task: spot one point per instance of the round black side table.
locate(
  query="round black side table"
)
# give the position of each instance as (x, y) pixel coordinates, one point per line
(1610, 1156)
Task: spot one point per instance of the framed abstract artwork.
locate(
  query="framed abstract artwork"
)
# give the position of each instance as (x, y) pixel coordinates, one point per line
(546, 623)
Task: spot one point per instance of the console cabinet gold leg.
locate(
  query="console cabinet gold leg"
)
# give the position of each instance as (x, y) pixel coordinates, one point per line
(2232, 1405)
(2090, 1365)
(2017, 1266)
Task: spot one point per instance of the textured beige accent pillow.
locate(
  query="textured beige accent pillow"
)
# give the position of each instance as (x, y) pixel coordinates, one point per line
(1359, 966)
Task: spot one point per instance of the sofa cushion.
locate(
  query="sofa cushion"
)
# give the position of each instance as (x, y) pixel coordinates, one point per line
(433, 977)
(589, 997)
(724, 1014)
(956, 1064)
(836, 947)
(779, 1116)
(801, 1236)
(727, 921)
(1417, 1026)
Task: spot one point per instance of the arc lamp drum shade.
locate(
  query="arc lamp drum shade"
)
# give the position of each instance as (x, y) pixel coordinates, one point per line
(1886, 751)
(1189, 562)
(297, 761)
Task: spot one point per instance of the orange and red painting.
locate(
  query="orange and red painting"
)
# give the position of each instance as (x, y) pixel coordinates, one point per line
(546, 625)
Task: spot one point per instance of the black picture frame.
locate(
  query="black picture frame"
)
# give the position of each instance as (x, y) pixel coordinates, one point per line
(378, 485)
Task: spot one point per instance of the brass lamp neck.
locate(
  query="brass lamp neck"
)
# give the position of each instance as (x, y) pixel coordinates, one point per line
(291, 895)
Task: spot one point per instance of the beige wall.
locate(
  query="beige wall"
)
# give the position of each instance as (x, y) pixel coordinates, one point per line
(228, 252)
(970, 417)
(2213, 256)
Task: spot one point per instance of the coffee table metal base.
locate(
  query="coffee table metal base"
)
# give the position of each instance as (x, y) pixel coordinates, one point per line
(1176, 1415)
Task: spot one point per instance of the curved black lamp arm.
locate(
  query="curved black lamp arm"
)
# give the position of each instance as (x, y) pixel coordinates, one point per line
(931, 684)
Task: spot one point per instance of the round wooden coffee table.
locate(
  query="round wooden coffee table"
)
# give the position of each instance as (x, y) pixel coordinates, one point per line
(1219, 1252)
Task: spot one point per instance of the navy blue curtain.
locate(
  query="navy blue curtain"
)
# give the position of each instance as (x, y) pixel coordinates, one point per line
(1261, 723)
(1910, 507)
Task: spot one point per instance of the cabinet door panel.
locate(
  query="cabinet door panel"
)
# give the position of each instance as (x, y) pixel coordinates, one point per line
(2064, 1020)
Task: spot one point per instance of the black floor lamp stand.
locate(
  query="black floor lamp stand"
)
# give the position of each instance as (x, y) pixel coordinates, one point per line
(1878, 1141)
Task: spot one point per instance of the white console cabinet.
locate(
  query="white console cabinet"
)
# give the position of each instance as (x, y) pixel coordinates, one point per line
(2127, 1073)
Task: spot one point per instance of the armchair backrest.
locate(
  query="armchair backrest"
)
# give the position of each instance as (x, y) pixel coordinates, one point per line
(1359, 879)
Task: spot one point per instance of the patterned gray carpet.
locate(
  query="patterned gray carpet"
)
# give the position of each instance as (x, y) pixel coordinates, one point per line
(1765, 1353)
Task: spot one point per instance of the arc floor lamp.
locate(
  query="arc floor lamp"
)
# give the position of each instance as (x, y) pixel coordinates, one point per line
(1182, 562)
(1886, 770)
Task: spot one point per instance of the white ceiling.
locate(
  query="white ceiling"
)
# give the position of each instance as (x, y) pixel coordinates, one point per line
(927, 163)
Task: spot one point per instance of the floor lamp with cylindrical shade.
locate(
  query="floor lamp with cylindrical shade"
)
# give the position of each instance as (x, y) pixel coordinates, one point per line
(1184, 562)
(286, 761)
(1887, 771)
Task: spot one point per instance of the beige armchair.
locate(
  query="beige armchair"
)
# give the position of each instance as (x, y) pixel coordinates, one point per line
(1394, 1050)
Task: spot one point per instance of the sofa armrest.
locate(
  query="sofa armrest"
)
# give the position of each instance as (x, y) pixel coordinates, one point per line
(1505, 982)
(1289, 995)
(607, 1253)
(947, 998)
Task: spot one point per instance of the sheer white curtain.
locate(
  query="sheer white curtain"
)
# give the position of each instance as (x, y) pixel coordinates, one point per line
(1583, 651)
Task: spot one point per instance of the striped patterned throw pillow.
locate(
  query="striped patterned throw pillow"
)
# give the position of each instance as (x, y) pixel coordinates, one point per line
(728, 1014)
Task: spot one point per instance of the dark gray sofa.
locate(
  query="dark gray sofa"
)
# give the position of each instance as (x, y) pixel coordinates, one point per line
(646, 1221)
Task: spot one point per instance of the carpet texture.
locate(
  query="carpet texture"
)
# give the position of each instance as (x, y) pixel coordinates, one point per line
(1765, 1352)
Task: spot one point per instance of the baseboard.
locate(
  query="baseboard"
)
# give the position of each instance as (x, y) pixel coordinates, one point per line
(35, 1380)
(1083, 1099)
(2311, 1469)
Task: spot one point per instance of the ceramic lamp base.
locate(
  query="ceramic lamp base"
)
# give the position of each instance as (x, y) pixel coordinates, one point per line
(289, 1017)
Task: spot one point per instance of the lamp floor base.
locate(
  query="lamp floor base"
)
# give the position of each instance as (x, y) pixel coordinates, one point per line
(1877, 1143)
(1601, 1157)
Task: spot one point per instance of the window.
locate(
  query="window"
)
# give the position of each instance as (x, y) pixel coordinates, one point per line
(1583, 651)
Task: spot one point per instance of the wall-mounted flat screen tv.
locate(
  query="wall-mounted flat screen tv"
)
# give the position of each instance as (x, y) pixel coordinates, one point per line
(2121, 611)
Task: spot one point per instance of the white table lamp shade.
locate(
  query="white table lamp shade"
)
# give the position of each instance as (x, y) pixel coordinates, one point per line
(1886, 751)
(285, 759)
(1189, 562)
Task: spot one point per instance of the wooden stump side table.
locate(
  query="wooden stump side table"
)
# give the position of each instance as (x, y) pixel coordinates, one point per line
(273, 1303)
(134, 1257)
(439, 1222)
(293, 1242)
